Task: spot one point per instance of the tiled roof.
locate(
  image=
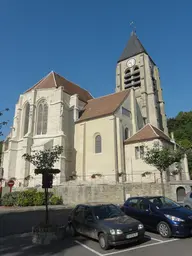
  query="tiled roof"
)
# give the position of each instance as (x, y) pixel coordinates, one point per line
(148, 132)
(103, 106)
(54, 80)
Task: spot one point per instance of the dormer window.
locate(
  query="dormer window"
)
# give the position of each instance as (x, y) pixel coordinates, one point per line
(126, 112)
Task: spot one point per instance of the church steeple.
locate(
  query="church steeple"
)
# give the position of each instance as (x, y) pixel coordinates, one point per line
(136, 70)
(133, 47)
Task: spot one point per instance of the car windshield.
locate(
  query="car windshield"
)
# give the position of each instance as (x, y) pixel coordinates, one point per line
(102, 212)
(163, 202)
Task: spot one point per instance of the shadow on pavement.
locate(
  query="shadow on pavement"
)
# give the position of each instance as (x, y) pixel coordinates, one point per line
(22, 222)
(132, 244)
(22, 246)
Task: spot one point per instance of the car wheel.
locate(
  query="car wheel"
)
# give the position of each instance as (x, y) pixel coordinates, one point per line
(72, 230)
(164, 229)
(103, 242)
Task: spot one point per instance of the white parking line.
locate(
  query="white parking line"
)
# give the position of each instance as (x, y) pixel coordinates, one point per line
(128, 249)
(154, 239)
(139, 247)
(88, 248)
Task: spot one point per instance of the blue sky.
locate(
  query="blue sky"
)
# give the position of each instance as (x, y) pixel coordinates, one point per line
(83, 39)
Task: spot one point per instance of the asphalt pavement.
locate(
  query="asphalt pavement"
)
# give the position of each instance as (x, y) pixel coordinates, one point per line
(21, 220)
(154, 244)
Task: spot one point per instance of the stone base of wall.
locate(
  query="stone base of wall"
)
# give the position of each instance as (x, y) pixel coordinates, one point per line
(117, 193)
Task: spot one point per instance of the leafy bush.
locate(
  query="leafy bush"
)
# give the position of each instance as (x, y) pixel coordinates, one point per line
(39, 199)
(26, 198)
(30, 197)
(10, 199)
(55, 200)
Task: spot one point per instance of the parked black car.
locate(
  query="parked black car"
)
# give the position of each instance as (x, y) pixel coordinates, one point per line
(161, 214)
(105, 223)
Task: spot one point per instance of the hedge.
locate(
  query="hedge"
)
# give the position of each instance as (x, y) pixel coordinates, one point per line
(30, 197)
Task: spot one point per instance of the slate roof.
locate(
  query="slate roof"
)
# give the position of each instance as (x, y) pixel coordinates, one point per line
(54, 80)
(103, 106)
(148, 132)
(133, 47)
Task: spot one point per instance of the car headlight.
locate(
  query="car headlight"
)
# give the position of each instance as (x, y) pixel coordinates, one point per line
(116, 232)
(140, 226)
(119, 232)
(173, 218)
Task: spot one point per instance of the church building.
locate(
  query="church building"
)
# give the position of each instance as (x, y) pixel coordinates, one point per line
(103, 138)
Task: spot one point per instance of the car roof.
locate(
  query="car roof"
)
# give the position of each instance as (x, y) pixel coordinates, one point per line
(94, 204)
(143, 197)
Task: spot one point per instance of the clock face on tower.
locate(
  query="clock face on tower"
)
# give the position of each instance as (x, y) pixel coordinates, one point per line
(130, 63)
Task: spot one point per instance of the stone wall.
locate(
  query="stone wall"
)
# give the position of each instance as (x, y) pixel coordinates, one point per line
(113, 193)
(110, 193)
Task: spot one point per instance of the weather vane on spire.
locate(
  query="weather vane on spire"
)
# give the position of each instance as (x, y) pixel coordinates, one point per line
(132, 24)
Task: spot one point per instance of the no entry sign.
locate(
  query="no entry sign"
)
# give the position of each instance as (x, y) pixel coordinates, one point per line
(11, 184)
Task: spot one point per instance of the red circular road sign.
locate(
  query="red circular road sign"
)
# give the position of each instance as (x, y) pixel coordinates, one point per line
(11, 183)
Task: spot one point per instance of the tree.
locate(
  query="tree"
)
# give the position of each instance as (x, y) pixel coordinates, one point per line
(2, 123)
(162, 158)
(44, 161)
(181, 125)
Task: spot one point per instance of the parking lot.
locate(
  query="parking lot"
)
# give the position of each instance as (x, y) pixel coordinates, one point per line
(154, 244)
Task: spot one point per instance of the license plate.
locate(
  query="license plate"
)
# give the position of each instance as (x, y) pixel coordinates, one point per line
(132, 235)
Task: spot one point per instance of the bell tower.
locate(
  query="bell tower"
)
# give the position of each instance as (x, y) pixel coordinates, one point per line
(136, 69)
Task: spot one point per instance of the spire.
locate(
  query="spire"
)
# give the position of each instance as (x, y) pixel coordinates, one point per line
(132, 48)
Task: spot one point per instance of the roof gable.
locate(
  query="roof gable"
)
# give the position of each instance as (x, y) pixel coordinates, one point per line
(54, 80)
(103, 106)
(133, 47)
(148, 132)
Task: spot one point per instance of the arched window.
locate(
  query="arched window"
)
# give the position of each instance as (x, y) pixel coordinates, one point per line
(136, 68)
(26, 119)
(126, 133)
(98, 144)
(42, 118)
(132, 77)
(127, 71)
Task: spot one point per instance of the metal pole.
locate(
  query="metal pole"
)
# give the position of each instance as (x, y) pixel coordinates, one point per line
(46, 205)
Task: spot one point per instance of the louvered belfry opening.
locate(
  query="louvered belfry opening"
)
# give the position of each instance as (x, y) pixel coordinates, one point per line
(132, 77)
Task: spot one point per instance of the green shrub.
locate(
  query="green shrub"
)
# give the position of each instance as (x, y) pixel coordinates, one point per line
(10, 199)
(55, 200)
(30, 197)
(39, 198)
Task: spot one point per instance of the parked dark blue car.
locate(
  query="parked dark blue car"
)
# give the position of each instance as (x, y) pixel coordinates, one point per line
(160, 214)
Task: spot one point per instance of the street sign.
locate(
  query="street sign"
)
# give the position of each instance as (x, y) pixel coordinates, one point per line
(11, 184)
